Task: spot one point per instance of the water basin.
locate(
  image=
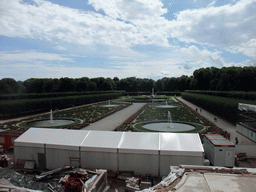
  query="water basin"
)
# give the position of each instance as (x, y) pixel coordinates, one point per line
(168, 127)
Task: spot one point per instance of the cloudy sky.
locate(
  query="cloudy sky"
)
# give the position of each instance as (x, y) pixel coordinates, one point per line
(124, 38)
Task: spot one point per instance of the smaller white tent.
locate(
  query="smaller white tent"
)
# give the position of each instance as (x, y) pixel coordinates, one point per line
(246, 107)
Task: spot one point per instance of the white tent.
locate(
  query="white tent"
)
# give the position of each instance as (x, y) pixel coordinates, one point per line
(143, 153)
(63, 148)
(31, 145)
(180, 149)
(138, 151)
(99, 150)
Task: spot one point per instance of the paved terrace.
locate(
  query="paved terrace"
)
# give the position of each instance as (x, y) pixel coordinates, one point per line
(221, 123)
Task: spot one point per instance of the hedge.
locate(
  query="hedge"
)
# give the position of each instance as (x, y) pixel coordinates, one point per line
(138, 93)
(52, 95)
(25, 106)
(229, 94)
(169, 93)
(157, 93)
(222, 106)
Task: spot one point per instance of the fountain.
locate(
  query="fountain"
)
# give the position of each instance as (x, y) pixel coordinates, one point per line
(166, 105)
(169, 125)
(148, 98)
(110, 105)
(153, 96)
(169, 120)
(51, 117)
(52, 122)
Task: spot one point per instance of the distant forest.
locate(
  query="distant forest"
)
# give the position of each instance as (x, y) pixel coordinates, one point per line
(224, 79)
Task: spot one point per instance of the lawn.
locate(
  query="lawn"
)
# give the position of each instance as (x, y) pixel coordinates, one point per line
(87, 114)
(83, 115)
(179, 113)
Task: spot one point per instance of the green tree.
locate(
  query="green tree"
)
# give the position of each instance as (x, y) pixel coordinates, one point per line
(9, 86)
(34, 85)
(92, 86)
(82, 84)
(67, 85)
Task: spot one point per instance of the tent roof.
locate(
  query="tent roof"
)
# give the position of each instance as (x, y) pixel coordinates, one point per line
(67, 139)
(188, 144)
(35, 137)
(107, 141)
(139, 142)
(180, 143)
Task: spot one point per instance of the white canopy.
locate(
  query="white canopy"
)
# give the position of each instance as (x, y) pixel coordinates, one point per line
(106, 141)
(246, 107)
(67, 139)
(180, 144)
(139, 142)
(35, 137)
(188, 144)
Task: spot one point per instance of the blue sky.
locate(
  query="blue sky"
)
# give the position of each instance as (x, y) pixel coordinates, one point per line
(124, 38)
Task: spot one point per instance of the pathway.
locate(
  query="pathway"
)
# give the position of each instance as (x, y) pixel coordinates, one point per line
(111, 122)
(221, 123)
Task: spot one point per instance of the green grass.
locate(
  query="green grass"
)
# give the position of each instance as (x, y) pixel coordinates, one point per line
(82, 116)
(180, 113)
(90, 113)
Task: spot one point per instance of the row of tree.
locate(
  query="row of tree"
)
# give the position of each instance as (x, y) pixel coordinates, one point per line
(224, 79)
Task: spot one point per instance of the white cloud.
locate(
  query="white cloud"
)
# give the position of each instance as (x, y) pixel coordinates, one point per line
(193, 53)
(211, 4)
(32, 56)
(126, 23)
(248, 48)
(113, 35)
(224, 26)
(183, 62)
(134, 11)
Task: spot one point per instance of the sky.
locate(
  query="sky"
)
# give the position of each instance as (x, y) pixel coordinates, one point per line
(124, 38)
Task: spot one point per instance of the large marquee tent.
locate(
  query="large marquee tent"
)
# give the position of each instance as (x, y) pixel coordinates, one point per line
(141, 152)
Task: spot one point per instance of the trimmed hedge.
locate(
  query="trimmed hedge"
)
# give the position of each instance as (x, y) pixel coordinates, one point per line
(52, 95)
(221, 106)
(169, 93)
(138, 93)
(25, 106)
(229, 94)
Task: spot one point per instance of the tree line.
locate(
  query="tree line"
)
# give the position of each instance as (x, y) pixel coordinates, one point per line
(211, 78)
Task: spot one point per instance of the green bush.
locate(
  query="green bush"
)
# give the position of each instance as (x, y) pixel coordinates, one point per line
(229, 94)
(169, 93)
(52, 95)
(19, 107)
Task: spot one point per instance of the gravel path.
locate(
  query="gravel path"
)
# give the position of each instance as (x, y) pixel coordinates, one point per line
(221, 123)
(111, 122)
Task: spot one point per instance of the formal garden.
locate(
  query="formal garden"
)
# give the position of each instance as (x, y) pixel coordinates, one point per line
(86, 114)
(82, 116)
(179, 114)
